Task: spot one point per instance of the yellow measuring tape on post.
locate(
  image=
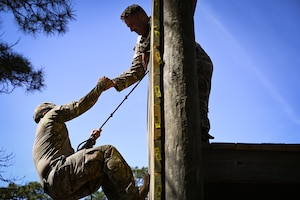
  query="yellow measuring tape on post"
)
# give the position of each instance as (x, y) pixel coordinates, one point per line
(155, 120)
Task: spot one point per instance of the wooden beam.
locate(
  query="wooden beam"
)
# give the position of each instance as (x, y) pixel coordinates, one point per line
(155, 121)
(256, 171)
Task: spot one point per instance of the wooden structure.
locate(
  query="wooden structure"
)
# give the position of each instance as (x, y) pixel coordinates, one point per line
(154, 108)
(230, 170)
(251, 171)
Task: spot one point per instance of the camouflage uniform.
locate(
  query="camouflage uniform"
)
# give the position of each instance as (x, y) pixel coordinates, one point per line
(138, 66)
(65, 174)
(204, 75)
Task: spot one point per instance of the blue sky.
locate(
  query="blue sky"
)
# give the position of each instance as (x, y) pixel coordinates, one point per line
(254, 45)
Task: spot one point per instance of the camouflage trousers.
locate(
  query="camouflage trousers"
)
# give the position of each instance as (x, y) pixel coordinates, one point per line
(87, 170)
(204, 77)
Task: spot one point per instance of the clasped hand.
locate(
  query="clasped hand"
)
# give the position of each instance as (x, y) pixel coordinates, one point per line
(108, 83)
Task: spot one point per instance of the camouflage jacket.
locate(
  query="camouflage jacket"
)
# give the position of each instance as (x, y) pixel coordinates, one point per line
(52, 141)
(138, 66)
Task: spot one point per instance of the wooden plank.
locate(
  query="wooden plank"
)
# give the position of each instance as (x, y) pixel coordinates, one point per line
(257, 191)
(254, 146)
(258, 163)
(154, 107)
(251, 171)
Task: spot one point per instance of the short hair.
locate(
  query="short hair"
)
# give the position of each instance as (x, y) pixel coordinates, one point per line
(132, 9)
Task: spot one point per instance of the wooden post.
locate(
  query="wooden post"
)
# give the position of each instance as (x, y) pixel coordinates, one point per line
(175, 156)
(183, 175)
(155, 119)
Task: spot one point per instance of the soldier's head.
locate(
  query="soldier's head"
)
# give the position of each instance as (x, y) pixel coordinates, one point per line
(41, 110)
(136, 19)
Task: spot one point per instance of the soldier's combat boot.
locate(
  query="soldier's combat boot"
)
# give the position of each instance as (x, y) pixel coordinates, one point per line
(205, 136)
(135, 193)
(144, 189)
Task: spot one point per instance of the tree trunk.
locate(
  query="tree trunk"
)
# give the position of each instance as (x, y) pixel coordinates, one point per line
(183, 156)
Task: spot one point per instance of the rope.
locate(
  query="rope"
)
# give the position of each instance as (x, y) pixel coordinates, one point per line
(90, 142)
(111, 115)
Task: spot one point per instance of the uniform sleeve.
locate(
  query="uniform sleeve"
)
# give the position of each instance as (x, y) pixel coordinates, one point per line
(74, 109)
(137, 69)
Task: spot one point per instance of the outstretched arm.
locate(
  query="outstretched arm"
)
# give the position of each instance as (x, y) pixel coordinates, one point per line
(132, 75)
(75, 108)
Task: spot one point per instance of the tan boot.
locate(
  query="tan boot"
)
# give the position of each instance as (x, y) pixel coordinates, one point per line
(135, 193)
(144, 189)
